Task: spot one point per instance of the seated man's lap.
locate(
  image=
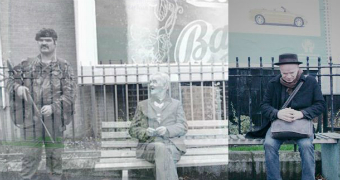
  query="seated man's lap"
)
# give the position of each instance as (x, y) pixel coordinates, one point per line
(270, 142)
(276, 143)
(149, 152)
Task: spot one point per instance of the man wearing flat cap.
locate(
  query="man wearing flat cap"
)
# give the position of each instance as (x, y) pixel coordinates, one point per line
(42, 94)
(308, 103)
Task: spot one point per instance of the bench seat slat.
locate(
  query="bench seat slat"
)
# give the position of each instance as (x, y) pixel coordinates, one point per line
(190, 152)
(115, 135)
(192, 132)
(130, 143)
(116, 124)
(188, 142)
(186, 161)
(191, 124)
(332, 135)
(208, 123)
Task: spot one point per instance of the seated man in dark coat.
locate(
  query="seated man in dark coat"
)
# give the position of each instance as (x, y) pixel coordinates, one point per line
(308, 103)
(160, 124)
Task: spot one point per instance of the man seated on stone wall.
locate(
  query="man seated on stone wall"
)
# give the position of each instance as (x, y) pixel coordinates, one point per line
(160, 125)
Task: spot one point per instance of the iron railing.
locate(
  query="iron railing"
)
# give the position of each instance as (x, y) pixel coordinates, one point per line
(111, 93)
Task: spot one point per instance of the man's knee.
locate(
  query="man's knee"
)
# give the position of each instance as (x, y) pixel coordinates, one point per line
(159, 146)
(305, 144)
(270, 145)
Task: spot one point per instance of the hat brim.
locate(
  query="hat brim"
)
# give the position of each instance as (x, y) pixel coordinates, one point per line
(280, 63)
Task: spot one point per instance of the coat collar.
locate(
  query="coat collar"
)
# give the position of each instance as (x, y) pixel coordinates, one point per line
(167, 100)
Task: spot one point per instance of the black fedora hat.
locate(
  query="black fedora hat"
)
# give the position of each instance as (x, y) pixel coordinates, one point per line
(288, 58)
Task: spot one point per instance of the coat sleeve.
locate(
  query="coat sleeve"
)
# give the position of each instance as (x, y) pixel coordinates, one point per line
(180, 128)
(318, 103)
(139, 125)
(267, 108)
(15, 79)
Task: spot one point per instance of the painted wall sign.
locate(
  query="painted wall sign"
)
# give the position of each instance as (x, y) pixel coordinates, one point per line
(162, 31)
(267, 28)
(199, 41)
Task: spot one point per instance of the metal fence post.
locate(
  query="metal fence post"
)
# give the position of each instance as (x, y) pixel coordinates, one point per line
(249, 94)
(238, 96)
(331, 88)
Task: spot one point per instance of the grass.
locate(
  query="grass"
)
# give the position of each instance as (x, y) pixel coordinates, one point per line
(284, 147)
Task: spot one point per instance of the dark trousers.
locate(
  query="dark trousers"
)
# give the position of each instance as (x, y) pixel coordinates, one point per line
(33, 140)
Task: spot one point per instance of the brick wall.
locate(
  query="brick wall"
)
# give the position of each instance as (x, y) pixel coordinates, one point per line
(211, 98)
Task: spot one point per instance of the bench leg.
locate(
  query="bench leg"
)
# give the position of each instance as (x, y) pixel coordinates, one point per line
(125, 175)
(330, 159)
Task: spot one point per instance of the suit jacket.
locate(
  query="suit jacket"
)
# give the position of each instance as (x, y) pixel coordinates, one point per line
(308, 100)
(171, 116)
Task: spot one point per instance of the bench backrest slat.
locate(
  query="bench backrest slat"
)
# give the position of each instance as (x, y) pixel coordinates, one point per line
(191, 124)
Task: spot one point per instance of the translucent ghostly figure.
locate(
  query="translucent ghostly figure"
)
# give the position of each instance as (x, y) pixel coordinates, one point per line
(160, 125)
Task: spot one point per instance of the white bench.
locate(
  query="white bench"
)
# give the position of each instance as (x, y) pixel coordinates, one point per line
(206, 142)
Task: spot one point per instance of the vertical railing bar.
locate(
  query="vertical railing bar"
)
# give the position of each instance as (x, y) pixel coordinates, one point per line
(307, 65)
(261, 78)
(273, 66)
(32, 95)
(112, 91)
(148, 78)
(319, 83)
(116, 96)
(51, 93)
(224, 91)
(41, 105)
(14, 101)
(249, 95)
(238, 95)
(104, 91)
(202, 91)
(213, 90)
(127, 94)
(169, 73)
(179, 80)
(137, 78)
(23, 101)
(272, 72)
(82, 93)
(191, 96)
(332, 96)
(94, 103)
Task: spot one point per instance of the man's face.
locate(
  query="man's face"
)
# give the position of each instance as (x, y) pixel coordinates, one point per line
(157, 86)
(46, 45)
(289, 71)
